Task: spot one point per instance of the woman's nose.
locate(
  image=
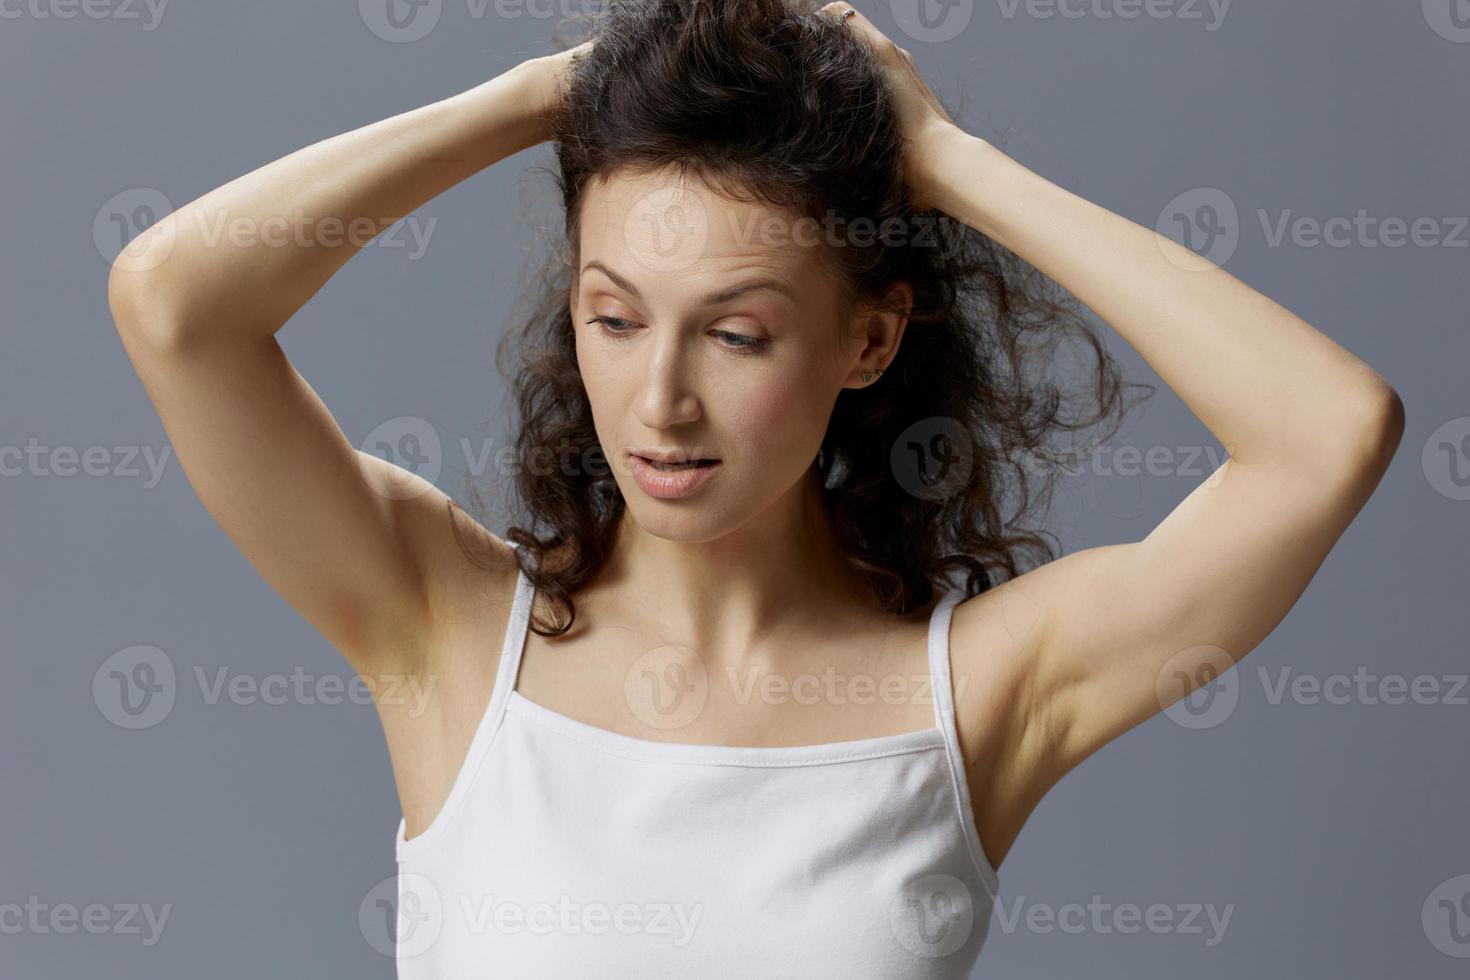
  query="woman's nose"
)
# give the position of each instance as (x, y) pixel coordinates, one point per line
(667, 396)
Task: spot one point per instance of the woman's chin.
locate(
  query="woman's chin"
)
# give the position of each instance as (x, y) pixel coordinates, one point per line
(691, 520)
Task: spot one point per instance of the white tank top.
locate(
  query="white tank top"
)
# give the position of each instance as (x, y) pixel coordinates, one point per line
(566, 851)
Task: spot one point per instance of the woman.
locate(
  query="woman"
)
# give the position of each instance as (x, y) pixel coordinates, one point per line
(721, 712)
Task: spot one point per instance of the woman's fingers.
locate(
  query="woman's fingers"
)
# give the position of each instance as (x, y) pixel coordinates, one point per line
(858, 22)
(920, 112)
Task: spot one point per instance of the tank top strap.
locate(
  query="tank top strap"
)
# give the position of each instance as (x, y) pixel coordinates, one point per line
(939, 672)
(518, 624)
(944, 716)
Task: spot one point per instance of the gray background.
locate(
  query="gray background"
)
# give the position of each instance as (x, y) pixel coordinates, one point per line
(1326, 828)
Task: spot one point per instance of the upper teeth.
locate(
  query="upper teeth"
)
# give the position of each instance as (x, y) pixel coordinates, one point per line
(674, 464)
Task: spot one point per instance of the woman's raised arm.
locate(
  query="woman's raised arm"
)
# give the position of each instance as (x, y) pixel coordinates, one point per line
(190, 279)
(1116, 634)
(348, 539)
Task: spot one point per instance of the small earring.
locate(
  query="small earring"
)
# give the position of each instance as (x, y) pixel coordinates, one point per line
(870, 375)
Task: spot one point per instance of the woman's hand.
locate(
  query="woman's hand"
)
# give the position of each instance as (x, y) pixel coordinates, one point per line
(923, 121)
(545, 77)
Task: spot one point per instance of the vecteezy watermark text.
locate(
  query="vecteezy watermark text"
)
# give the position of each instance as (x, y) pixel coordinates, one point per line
(122, 10)
(37, 460)
(136, 688)
(1211, 13)
(38, 918)
(1099, 917)
(1206, 221)
(130, 230)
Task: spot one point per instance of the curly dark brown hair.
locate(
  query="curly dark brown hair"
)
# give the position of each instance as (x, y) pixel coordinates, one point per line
(771, 101)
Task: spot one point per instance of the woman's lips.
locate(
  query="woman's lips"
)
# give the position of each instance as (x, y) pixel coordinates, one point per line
(671, 484)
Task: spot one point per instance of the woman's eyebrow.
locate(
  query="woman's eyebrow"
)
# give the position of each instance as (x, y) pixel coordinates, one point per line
(711, 299)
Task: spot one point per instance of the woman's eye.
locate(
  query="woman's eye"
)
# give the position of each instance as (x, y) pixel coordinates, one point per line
(617, 326)
(740, 342)
(614, 324)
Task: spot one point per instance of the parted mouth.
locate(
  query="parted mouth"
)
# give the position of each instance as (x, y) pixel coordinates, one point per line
(672, 456)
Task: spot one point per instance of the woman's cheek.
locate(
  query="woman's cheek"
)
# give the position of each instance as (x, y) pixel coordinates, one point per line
(783, 418)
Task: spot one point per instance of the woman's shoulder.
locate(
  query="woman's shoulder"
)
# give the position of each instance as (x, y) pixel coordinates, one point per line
(994, 639)
(469, 572)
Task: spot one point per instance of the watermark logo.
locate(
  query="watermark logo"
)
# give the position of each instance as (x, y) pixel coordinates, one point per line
(667, 229)
(129, 230)
(1446, 459)
(667, 687)
(932, 916)
(1446, 917)
(135, 687)
(933, 458)
(417, 455)
(1450, 19)
(123, 229)
(932, 21)
(400, 21)
(1197, 687)
(402, 915)
(413, 448)
(1206, 222)
(1201, 690)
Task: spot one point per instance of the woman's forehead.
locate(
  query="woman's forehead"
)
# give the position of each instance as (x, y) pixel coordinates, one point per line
(663, 225)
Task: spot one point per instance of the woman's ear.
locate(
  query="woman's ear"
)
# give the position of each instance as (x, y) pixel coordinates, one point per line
(882, 323)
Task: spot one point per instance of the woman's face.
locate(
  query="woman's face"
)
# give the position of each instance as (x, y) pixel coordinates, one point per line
(724, 337)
